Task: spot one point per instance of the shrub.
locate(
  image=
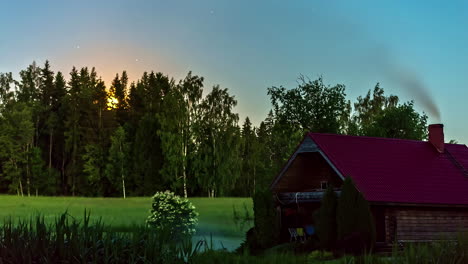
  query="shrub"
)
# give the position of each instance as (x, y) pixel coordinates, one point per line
(326, 220)
(355, 225)
(250, 244)
(172, 214)
(265, 233)
(265, 221)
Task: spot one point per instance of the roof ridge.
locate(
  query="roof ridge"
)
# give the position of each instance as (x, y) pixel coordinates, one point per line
(383, 138)
(376, 138)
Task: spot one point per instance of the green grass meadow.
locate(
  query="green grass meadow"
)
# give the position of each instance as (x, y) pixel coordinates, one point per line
(215, 220)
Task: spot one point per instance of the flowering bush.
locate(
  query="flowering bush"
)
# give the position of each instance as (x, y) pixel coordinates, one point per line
(171, 213)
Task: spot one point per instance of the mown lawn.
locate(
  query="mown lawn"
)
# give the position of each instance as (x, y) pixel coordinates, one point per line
(215, 214)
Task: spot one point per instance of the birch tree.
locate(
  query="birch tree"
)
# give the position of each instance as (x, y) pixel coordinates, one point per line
(178, 116)
(219, 134)
(16, 130)
(117, 166)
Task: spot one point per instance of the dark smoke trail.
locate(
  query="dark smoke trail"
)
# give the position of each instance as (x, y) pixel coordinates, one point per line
(415, 87)
(406, 78)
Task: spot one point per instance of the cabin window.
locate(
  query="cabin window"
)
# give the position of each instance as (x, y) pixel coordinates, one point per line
(323, 185)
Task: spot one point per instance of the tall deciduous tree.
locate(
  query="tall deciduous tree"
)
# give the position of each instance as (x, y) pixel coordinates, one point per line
(6, 93)
(367, 108)
(382, 116)
(93, 167)
(17, 130)
(281, 140)
(312, 106)
(117, 166)
(178, 116)
(219, 134)
(42, 182)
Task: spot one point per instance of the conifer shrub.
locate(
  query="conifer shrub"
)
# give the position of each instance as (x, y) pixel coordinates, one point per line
(355, 224)
(265, 233)
(265, 222)
(173, 214)
(326, 220)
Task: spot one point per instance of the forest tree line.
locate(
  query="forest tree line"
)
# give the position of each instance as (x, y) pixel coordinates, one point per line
(72, 135)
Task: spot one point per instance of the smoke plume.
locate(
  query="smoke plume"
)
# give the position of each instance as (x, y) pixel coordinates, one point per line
(385, 62)
(415, 87)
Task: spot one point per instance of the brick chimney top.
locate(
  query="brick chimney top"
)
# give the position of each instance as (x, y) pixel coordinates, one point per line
(436, 136)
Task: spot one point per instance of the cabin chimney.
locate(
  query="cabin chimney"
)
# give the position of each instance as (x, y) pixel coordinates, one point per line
(436, 136)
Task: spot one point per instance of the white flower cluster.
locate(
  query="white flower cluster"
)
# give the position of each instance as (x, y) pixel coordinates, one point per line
(172, 213)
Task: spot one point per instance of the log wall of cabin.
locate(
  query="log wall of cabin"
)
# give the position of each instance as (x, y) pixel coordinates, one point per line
(424, 224)
(306, 172)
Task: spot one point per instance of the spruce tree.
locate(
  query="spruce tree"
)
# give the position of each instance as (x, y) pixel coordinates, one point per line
(48, 118)
(72, 131)
(60, 110)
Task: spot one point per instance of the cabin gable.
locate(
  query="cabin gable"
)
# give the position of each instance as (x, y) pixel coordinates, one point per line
(308, 169)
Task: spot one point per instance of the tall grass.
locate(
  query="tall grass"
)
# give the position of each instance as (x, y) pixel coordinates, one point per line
(69, 240)
(440, 252)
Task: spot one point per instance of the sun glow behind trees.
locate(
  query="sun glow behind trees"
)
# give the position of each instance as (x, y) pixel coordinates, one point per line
(112, 102)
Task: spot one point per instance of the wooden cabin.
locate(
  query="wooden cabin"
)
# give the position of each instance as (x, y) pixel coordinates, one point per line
(417, 190)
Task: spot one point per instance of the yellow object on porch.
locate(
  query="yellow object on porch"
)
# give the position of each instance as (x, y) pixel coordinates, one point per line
(300, 231)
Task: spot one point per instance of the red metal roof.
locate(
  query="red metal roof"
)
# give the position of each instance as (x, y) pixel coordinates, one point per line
(397, 170)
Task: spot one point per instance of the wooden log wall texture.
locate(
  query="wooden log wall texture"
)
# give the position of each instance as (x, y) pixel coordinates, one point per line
(424, 224)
